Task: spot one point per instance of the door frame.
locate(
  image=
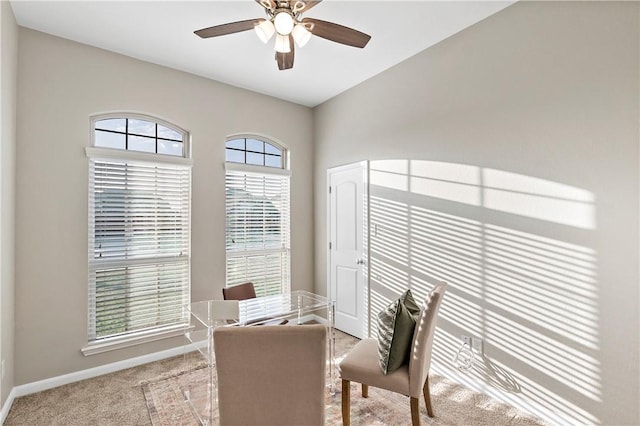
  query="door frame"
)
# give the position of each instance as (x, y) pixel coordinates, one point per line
(366, 235)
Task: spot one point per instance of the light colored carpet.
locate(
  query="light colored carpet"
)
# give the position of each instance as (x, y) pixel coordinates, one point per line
(453, 404)
(114, 399)
(119, 399)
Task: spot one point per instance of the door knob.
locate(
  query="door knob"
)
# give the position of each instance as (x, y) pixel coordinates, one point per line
(360, 262)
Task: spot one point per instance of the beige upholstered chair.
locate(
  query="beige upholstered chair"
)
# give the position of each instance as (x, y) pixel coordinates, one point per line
(271, 375)
(361, 364)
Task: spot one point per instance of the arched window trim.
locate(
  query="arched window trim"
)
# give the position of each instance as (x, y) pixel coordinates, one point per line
(186, 140)
(270, 141)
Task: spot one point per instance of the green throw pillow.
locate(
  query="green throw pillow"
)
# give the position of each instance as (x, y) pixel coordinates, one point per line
(410, 304)
(395, 334)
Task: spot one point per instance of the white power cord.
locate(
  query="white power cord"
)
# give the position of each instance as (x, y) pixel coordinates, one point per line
(464, 358)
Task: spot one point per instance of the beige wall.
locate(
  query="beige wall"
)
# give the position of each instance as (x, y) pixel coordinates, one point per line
(60, 85)
(9, 63)
(515, 178)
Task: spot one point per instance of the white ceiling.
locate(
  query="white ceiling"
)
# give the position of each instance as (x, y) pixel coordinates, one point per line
(161, 32)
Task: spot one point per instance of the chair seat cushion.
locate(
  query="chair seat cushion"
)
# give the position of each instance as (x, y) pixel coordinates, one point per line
(361, 365)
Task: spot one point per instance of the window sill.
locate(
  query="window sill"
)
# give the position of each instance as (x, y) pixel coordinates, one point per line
(138, 339)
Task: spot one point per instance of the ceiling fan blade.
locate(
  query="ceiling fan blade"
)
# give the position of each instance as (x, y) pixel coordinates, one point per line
(230, 28)
(285, 60)
(338, 33)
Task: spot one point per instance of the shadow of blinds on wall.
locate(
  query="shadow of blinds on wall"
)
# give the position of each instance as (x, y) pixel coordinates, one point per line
(257, 228)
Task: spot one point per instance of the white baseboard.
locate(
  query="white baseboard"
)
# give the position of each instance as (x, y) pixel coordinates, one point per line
(65, 379)
(313, 317)
(7, 406)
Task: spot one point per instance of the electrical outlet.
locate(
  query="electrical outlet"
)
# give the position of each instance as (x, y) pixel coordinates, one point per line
(466, 340)
(476, 343)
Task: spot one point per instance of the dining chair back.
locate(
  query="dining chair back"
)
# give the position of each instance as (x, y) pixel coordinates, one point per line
(420, 358)
(271, 375)
(239, 292)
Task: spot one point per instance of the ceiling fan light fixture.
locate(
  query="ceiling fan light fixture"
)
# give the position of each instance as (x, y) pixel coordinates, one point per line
(283, 19)
(301, 35)
(282, 44)
(265, 30)
(283, 22)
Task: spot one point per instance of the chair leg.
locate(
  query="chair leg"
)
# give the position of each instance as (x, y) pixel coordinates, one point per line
(346, 402)
(415, 411)
(427, 397)
(365, 391)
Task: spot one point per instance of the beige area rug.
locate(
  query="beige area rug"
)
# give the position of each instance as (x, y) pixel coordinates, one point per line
(453, 403)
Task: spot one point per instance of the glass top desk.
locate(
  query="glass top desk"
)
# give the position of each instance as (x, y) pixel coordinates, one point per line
(298, 307)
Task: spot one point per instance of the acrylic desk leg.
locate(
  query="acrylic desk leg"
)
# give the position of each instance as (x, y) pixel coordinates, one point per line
(332, 348)
(212, 393)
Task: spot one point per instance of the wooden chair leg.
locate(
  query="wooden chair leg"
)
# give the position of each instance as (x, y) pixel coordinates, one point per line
(415, 411)
(365, 391)
(427, 398)
(346, 402)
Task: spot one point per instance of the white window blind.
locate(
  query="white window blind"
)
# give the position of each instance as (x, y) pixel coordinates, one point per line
(139, 242)
(257, 230)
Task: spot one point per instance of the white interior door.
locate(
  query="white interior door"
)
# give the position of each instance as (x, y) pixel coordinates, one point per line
(347, 251)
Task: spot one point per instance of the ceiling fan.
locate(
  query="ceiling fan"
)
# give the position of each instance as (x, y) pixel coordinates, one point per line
(285, 21)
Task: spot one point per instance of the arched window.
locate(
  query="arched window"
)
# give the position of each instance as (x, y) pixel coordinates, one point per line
(139, 134)
(257, 215)
(255, 151)
(139, 230)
